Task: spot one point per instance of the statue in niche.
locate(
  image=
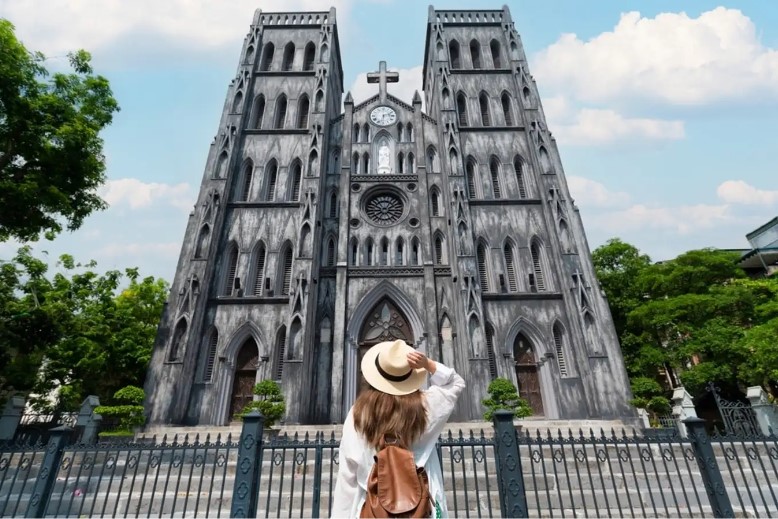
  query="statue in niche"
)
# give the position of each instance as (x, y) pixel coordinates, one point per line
(384, 157)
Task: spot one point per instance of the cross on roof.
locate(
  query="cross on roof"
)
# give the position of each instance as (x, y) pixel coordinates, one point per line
(382, 77)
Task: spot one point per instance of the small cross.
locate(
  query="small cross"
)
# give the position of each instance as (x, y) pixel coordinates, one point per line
(382, 77)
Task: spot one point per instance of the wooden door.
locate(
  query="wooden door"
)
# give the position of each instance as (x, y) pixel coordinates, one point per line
(242, 392)
(245, 376)
(527, 375)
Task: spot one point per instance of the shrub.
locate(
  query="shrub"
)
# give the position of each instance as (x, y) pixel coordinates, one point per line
(270, 404)
(503, 395)
(129, 411)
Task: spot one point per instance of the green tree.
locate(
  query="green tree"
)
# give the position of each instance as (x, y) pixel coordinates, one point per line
(77, 330)
(503, 395)
(51, 153)
(618, 265)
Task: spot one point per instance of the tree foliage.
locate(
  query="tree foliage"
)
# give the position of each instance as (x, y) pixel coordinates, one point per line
(51, 153)
(697, 317)
(503, 395)
(82, 332)
(270, 403)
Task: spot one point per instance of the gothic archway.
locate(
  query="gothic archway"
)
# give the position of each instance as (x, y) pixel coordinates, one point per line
(246, 366)
(385, 322)
(527, 376)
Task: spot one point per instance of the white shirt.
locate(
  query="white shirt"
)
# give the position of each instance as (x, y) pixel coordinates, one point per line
(356, 456)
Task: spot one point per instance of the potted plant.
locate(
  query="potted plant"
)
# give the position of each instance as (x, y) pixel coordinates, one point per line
(270, 404)
(503, 395)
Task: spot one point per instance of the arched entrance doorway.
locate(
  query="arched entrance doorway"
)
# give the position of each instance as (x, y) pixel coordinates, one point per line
(245, 376)
(385, 322)
(527, 375)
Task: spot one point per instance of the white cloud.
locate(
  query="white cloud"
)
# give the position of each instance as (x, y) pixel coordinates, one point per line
(138, 194)
(682, 219)
(671, 57)
(587, 192)
(601, 127)
(410, 82)
(740, 192)
(58, 26)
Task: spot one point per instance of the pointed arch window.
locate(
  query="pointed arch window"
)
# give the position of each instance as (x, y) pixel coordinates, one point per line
(483, 268)
(210, 357)
(280, 119)
(271, 176)
(257, 113)
(237, 102)
(559, 345)
(288, 62)
(278, 369)
(453, 160)
(355, 164)
(250, 54)
(411, 169)
(564, 235)
(369, 252)
(203, 240)
(245, 187)
(355, 133)
(409, 132)
(286, 271)
(221, 164)
(354, 253)
(433, 166)
(545, 162)
(490, 351)
(319, 106)
(435, 200)
(310, 55)
(494, 46)
(475, 53)
(399, 251)
(366, 133)
(231, 270)
(527, 95)
(303, 107)
(365, 164)
(483, 103)
(494, 171)
(335, 162)
(296, 180)
(518, 168)
(453, 54)
(537, 266)
(462, 109)
(401, 163)
(400, 132)
(325, 53)
(330, 252)
(510, 267)
(384, 251)
(471, 176)
(313, 163)
(305, 241)
(333, 205)
(439, 250)
(590, 332)
(178, 343)
(267, 57)
(259, 269)
(507, 110)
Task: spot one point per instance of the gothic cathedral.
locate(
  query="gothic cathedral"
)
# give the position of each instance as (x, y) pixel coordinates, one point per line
(323, 227)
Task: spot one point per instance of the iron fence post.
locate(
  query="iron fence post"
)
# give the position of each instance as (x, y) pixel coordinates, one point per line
(709, 468)
(510, 482)
(245, 494)
(44, 483)
(316, 503)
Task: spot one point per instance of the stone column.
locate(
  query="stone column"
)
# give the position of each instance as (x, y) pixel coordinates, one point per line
(88, 422)
(683, 408)
(766, 413)
(11, 417)
(643, 417)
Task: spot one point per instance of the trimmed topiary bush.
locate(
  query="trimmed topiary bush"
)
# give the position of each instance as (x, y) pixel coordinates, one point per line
(503, 395)
(270, 404)
(128, 413)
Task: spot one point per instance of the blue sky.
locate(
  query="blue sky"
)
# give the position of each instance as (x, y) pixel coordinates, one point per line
(665, 112)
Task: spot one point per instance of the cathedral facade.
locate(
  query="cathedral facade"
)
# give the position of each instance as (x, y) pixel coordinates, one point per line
(323, 227)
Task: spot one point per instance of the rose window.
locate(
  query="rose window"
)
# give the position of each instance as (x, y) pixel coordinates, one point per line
(384, 209)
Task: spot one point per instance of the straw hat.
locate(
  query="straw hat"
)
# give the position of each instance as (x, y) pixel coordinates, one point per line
(385, 367)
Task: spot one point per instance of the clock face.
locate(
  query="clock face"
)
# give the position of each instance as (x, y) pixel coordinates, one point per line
(383, 116)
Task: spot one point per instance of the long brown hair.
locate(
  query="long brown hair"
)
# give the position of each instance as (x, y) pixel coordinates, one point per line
(402, 416)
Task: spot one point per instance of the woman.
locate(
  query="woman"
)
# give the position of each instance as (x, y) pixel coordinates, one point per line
(393, 404)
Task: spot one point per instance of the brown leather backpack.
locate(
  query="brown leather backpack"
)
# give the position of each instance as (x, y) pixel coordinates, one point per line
(396, 487)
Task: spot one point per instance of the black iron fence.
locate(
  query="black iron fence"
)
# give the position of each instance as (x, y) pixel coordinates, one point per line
(495, 473)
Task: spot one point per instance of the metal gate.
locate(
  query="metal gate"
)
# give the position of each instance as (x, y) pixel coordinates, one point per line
(738, 417)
